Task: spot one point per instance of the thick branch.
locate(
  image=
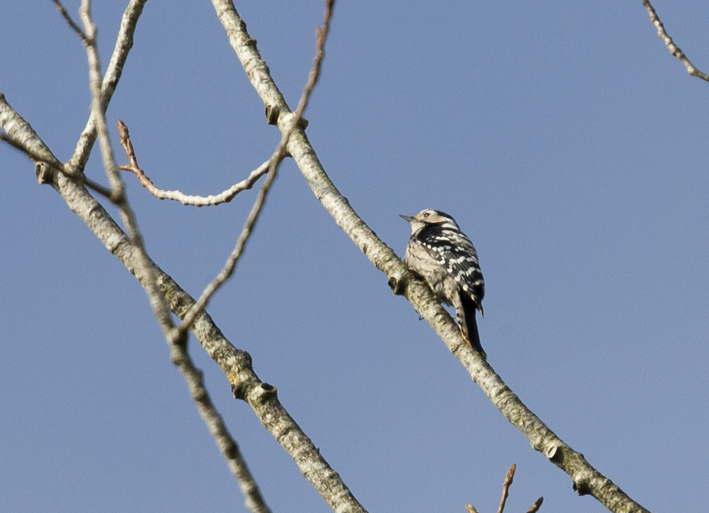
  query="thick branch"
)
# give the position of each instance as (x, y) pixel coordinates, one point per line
(144, 269)
(586, 479)
(217, 427)
(235, 363)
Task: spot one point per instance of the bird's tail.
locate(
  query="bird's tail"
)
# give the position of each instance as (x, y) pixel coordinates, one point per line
(468, 324)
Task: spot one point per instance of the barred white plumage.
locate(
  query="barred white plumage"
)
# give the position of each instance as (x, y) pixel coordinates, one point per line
(447, 260)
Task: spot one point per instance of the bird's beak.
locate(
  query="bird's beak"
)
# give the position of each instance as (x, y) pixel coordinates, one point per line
(407, 218)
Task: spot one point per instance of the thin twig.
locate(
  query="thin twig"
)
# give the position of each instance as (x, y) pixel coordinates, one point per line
(234, 256)
(157, 300)
(673, 48)
(234, 363)
(69, 21)
(274, 162)
(535, 507)
(314, 75)
(506, 487)
(509, 476)
(124, 42)
(186, 199)
(145, 271)
(217, 427)
(227, 195)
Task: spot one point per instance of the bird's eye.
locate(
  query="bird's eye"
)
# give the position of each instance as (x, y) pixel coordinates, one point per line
(427, 214)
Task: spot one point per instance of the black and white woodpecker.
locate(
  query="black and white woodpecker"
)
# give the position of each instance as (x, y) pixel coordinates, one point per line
(447, 260)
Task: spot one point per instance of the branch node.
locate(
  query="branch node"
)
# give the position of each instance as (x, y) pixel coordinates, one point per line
(272, 113)
(582, 484)
(398, 284)
(260, 394)
(267, 389)
(553, 451)
(238, 390)
(43, 172)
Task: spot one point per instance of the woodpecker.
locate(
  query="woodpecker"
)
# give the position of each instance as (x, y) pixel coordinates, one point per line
(447, 260)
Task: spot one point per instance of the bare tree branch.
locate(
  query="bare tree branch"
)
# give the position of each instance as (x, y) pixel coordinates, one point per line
(586, 479)
(237, 365)
(671, 46)
(186, 199)
(274, 162)
(234, 363)
(67, 18)
(228, 269)
(314, 75)
(145, 271)
(509, 476)
(506, 487)
(118, 194)
(43, 165)
(124, 42)
(226, 443)
(537, 504)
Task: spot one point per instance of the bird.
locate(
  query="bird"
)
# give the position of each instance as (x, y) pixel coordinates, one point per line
(446, 258)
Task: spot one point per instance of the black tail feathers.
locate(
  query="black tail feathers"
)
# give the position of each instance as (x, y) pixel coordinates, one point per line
(468, 324)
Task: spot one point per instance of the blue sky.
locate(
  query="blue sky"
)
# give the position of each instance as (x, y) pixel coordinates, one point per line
(564, 138)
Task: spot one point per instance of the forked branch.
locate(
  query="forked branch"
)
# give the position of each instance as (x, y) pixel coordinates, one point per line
(138, 261)
(45, 166)
(114, 70)
(586, 479)
(293, 122)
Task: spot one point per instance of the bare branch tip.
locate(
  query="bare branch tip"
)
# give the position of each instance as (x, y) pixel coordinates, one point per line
(509, 476)
(511, 473)
(535, 507)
